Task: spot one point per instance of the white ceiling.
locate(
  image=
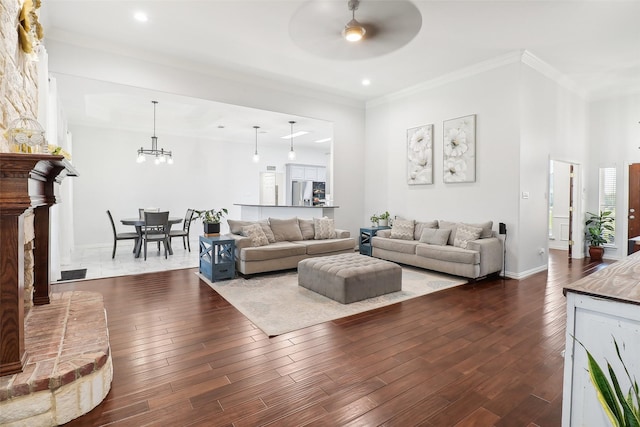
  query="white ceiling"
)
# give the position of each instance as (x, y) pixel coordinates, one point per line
(594, 44)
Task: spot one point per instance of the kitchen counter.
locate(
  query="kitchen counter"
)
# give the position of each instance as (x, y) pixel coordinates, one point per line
(619, 281)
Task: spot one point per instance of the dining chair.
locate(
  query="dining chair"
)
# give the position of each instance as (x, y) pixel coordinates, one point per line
(184, 233)
(156, 229)
(119, 236)
(141, 212)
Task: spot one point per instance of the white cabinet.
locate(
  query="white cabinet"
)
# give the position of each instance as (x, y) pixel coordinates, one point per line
(600, 307)
(311, 174)
(297, 172)
(322, 175)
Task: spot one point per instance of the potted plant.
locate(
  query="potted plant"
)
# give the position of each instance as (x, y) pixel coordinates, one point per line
(211, 219)
(384, 218)
(597, 225)
(374, 220)
(621, 409)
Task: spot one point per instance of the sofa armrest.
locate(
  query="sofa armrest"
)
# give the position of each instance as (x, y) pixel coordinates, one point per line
(491, 254)
(240, 241)
(342, 234)
(384, 233)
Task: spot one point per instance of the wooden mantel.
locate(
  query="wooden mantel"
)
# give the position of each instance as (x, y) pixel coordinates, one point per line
(26, 182)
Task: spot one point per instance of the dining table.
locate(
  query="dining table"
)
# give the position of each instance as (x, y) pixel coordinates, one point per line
(138, 223)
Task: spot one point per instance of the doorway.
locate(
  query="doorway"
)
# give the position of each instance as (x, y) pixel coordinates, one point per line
(563, 199)
(633, 214)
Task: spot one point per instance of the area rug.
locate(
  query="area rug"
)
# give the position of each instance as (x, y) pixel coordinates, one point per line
(277, 305)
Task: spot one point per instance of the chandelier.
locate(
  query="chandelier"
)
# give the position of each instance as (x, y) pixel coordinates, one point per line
(161, 155)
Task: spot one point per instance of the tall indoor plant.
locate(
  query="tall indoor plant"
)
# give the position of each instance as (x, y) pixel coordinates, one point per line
(597, 225)
(211, 219)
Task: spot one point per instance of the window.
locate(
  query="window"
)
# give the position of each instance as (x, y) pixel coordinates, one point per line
(607, 197)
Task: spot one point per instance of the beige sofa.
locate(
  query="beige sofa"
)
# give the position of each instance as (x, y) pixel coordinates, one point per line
(467, 250)
(288, 242)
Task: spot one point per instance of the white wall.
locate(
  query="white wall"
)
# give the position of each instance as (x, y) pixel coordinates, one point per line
(523, 119)
(206, 174)
(614, 140)
(347, 116)
(553, 126)
(491, 95)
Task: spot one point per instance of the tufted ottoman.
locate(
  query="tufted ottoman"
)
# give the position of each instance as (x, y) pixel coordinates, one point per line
(348, 278)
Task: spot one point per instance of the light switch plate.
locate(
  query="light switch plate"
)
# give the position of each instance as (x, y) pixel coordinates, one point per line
(525, 194)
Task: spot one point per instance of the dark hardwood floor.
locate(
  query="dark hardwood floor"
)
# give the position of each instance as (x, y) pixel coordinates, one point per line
(475, 355)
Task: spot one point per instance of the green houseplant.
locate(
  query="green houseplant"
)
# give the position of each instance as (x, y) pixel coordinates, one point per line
(384, 218)
(374, 220)
(622, 411)
(211, 219)
(597, 225)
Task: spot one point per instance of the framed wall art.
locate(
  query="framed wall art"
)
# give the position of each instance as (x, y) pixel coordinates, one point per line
(420, 155)
(459, 149)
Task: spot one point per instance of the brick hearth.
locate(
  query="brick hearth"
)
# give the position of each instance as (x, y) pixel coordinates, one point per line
(68, 370)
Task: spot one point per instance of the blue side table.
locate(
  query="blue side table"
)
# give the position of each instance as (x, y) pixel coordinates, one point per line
(366, 233)
(217, 257)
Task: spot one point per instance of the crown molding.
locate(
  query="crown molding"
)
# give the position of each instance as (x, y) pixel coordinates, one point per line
(463, 73)
(552, 73)
(521, 56)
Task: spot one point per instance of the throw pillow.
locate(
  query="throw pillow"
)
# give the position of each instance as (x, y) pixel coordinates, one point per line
(486, 229)
(465, 233)
(255, 233)
(451, 226)
(307, 229)
(435, 236)
(417, 232)
(324, 228)
(285, 229)
(402, 229)
(235, 227)
(267, 230)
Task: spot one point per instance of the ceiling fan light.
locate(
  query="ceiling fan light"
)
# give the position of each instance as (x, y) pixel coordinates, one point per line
(354, 31)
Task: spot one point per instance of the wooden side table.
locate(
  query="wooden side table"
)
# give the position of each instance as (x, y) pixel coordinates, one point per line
(366, 233)
(217, 257)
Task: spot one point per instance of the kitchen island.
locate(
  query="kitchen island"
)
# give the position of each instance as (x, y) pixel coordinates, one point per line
(250, 212)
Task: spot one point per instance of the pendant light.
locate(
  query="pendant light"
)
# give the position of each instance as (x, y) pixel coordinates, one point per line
(160, 156)
(256, 157)
(292, 154)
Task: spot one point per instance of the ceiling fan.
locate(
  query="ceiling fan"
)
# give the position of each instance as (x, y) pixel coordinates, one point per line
(321, 26)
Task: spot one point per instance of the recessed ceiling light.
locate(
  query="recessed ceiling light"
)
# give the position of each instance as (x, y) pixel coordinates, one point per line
(323, 140)
(141, 16)
(293, 135)
(366, 82)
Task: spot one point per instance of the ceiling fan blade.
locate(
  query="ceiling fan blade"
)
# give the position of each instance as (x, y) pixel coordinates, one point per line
(317, 28)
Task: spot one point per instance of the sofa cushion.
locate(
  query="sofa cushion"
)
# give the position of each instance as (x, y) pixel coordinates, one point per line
(306, 228)
(465, 233)
(255, 233)
(451, 226)
(448, 253)
(285, 229)
(435, 236)
(487, 228)
(402, 229)
(235, 227)
(324, 228)
(272, 251)
(395, 245)
(421, 225)
(315, 247)
(266, 228)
